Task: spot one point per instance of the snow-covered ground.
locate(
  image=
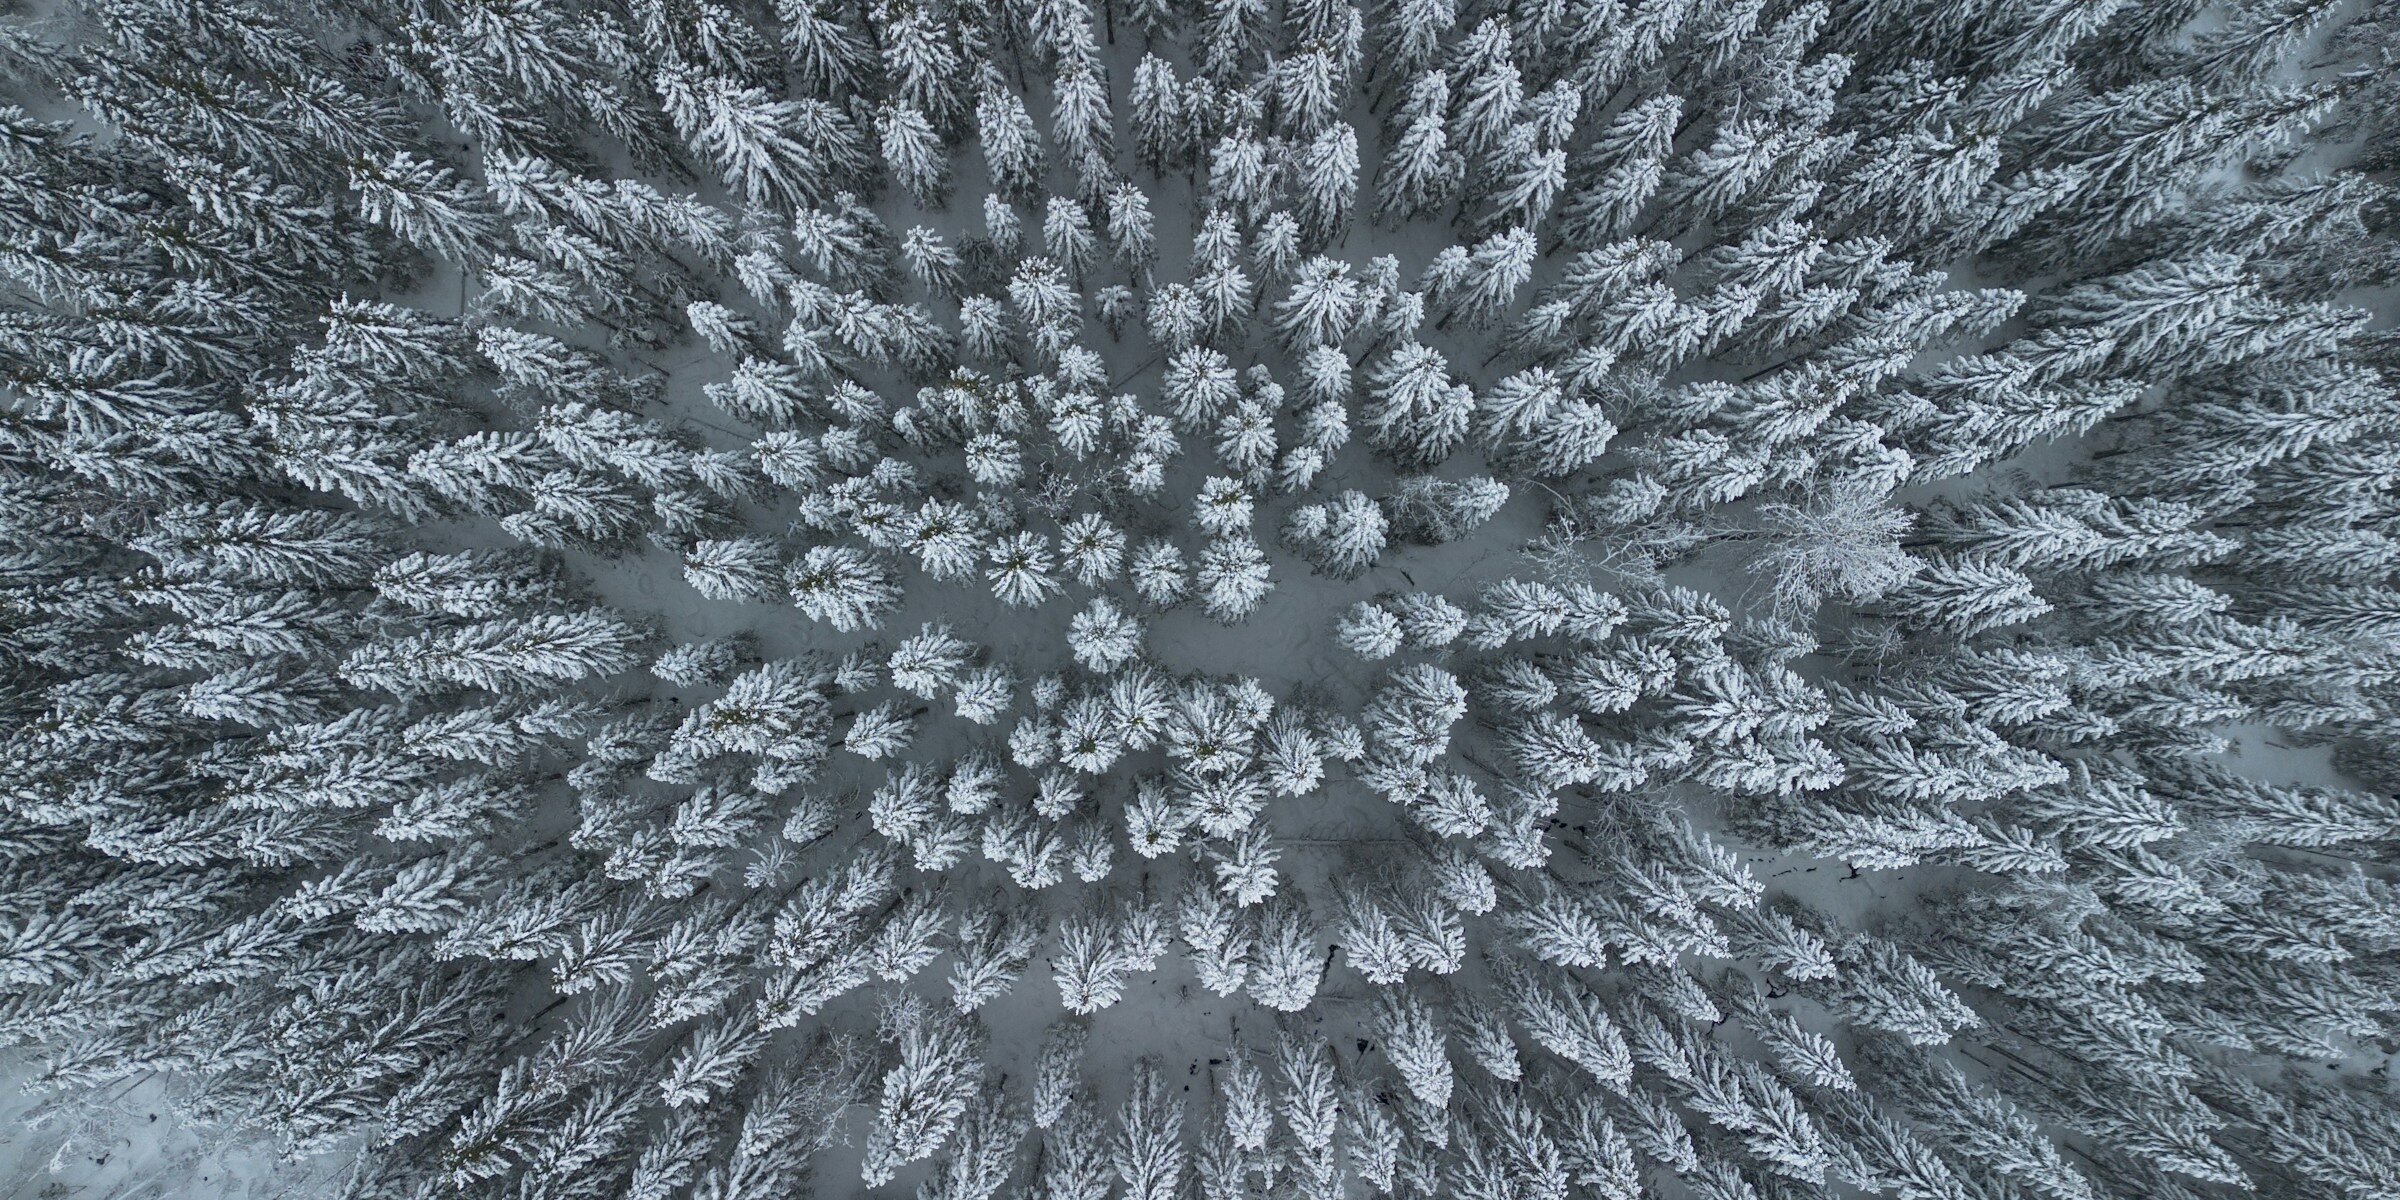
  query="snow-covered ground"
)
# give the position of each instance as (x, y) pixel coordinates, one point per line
(129, 1144)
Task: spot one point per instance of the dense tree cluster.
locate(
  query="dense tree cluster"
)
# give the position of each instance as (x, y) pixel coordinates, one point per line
(648, 598)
